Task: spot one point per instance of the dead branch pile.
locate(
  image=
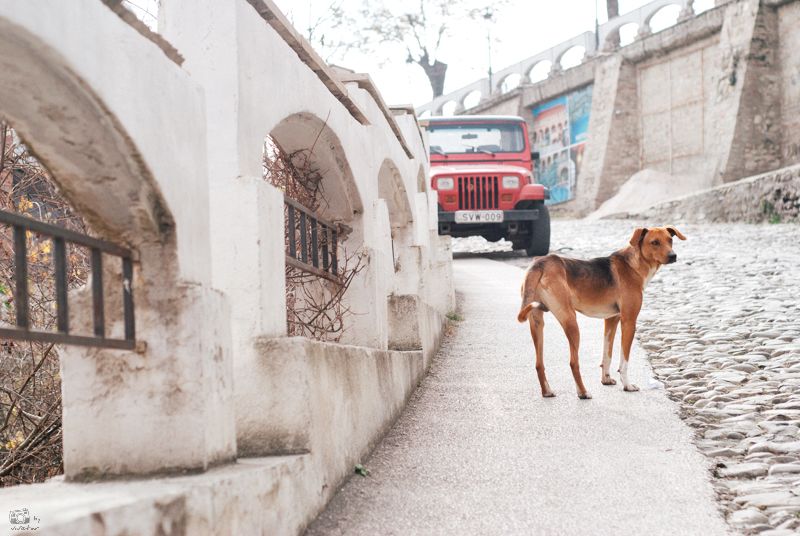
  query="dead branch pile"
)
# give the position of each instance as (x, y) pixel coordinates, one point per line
(315, 307)
(30, 384)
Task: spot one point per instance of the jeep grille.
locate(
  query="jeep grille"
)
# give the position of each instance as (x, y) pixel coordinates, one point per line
(478, 193)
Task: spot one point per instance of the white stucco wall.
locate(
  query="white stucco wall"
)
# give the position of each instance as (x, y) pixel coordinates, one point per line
(168, 161)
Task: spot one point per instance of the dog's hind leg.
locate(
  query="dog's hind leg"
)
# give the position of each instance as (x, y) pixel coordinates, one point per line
(536, 321)
(570, 324)
(608, 348)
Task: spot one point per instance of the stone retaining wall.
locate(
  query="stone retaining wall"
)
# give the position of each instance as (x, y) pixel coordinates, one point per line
(772, 197)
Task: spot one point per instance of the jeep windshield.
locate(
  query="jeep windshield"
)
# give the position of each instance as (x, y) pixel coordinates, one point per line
(476, 138)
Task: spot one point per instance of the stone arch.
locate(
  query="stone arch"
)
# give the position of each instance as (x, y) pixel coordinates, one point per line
(539, 71)
(699, 6)
(663, 17)
(571, 57)
(306, 132)
(449, 107)
(93, 160)
(620, 36)
(509, 82)
(96, 154)
(471, 99)
(393, 190)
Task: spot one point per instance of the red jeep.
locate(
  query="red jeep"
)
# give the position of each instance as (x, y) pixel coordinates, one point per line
(481, 167)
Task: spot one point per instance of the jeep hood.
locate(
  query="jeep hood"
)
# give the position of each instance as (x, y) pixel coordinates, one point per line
(474, 169)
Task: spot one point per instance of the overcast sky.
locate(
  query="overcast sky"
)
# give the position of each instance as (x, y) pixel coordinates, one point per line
(523, 28)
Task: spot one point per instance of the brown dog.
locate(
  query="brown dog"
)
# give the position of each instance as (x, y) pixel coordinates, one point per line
(606, 287)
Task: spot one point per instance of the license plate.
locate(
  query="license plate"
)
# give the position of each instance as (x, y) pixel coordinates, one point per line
(479, 216)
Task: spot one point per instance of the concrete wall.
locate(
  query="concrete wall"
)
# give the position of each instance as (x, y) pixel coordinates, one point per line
(714, 97)
(676, 94)
(772, 197)
(157, 140)
(788, 17)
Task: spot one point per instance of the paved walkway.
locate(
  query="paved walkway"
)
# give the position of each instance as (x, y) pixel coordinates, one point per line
(478, 451)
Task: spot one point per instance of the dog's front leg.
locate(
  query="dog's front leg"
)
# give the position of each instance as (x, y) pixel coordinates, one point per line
(608, 349)
(628, 331)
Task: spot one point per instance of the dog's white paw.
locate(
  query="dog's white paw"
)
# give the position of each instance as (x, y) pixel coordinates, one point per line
(630, 388)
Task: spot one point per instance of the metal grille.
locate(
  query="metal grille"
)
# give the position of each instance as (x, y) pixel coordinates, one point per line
(312, 243)
(478, 193)
(59, 236)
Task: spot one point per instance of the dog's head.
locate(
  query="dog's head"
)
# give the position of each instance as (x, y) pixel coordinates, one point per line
(655, 245)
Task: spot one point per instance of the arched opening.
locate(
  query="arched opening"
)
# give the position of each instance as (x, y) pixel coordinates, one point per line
(628, 33)
(449, 108)
(539, 71)
(392, 189)
(97, 170)
(572, 57)
(663, 18)
(510, 82)
(305, 160)
(312, 145)
(700, 6)
(471, 99)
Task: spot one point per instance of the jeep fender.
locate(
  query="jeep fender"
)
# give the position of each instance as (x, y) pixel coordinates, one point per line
(533, 192)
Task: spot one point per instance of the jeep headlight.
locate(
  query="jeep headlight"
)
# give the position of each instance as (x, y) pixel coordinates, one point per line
(445, 183)
(510, 182)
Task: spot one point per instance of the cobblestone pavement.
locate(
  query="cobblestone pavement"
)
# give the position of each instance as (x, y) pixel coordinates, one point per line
(722, 330)
(478, 451)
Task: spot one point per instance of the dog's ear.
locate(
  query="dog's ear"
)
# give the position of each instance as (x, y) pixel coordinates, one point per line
(674, 232)
(638, 236)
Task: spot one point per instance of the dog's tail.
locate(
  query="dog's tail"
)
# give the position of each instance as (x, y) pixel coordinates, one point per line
(532, 279)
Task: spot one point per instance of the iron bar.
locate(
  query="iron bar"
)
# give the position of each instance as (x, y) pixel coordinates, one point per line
(292, 231)
(314, 249)
(62, 306)
(303, 238)
(326, 236)
(21, 276)
(97, 293)
(36, 226)
(62, 338)
(335, 252)
(127, 299)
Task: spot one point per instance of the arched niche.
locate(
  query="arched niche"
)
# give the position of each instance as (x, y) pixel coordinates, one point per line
(663, 17)
(313, 142)
(471, 99)
(539, 71)
(449, 108)
(93, 160)
(571, 57)
(509, 82)
(392, 189)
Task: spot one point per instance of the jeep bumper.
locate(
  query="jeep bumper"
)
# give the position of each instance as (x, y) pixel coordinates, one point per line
(514, 222)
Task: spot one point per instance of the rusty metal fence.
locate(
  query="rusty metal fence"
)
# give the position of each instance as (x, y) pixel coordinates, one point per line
(21, 227)
(312, 243)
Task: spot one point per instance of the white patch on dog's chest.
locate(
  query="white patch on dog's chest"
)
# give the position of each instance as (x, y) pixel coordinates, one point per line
(650, 275)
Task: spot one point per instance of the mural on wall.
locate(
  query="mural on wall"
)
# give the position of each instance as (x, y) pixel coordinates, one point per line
(560, 129)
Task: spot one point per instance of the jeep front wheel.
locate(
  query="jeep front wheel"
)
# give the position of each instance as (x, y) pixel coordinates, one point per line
(539, 240)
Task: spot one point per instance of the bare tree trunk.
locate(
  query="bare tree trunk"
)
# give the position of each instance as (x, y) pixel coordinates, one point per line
(612, 8)
(435, 74)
